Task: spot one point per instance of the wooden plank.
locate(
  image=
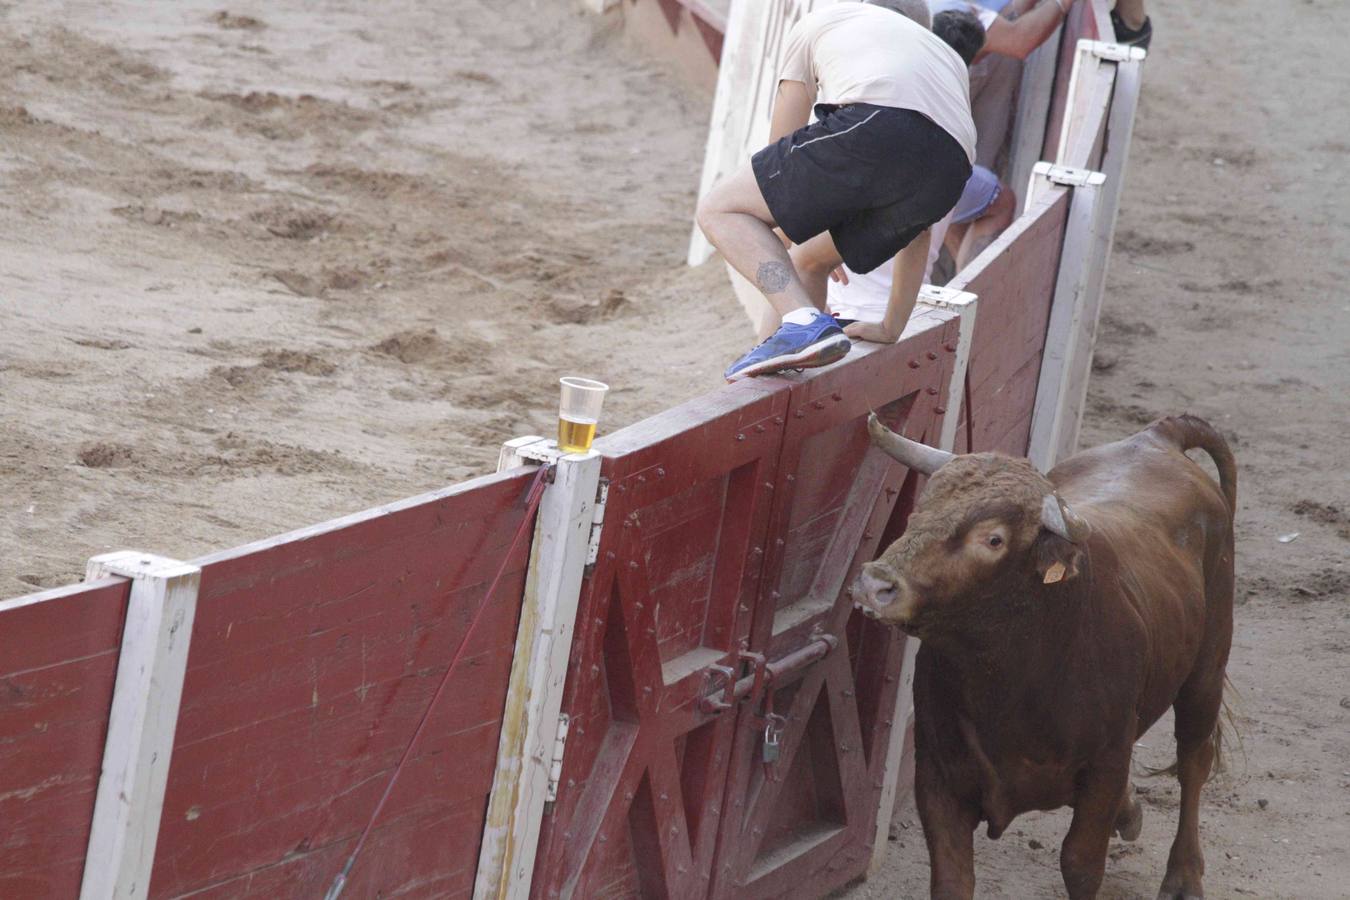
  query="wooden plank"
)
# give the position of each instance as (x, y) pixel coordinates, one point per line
(1115, 156)
(1078, 24)
(1090, 87)
(1066, 361)
(142, 721)
(58, 662)
(533, 702)
(314, 657)
(1033, 111)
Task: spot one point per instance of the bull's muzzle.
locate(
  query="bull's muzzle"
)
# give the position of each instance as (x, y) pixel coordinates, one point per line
(875, 591)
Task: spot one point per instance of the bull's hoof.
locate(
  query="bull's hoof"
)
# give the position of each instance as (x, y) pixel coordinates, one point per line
(1165, 894)
(1130, 821)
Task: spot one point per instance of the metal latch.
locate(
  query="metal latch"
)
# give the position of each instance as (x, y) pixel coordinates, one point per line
(727, 686)
(555, 767)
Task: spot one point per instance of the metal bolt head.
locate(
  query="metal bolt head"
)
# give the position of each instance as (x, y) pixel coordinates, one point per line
(931, 355)
(913, 363)
(740, 437)
(660, 473)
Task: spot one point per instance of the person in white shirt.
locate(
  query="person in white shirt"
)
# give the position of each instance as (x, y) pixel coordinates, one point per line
(888, 156)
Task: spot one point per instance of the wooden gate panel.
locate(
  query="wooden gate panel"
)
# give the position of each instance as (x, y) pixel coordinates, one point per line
(58, 660)
(806, 822)
(314, 655)
(671, 593)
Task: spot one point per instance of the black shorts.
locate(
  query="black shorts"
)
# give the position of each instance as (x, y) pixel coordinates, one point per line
(874, 177)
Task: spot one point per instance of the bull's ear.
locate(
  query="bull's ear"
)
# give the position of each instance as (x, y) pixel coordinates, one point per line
(1056, 558)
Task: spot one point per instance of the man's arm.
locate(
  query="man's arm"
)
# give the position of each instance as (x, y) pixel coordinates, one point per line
(791, 109)
(907, 278)
(1016, 8)
(1018, 37)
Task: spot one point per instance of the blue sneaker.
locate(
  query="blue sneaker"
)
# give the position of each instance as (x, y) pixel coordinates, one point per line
(794, 347)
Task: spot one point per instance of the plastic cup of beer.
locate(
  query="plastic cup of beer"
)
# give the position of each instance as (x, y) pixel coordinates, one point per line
(579, 412)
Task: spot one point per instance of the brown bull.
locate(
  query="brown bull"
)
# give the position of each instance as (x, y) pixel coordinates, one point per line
(1060, 616)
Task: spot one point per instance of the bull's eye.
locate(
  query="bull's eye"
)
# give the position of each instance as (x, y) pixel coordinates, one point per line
(995, 540)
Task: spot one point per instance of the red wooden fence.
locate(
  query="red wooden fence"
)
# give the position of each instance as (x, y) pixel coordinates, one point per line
(313, 657)
(58, 658)
(734, 524)
(1015, 282)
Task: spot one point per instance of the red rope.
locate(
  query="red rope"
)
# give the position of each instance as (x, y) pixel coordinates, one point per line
(531, 504)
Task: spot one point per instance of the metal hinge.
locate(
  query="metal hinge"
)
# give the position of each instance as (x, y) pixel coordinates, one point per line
(1068, 175)
(555, 767)
(597, 522)
(1112, 52)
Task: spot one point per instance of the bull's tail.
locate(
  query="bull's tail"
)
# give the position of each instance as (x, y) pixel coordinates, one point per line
(1189, 432)
(1225, 733)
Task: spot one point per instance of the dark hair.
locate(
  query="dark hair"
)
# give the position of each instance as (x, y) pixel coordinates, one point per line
(962, 31)
(914, 10)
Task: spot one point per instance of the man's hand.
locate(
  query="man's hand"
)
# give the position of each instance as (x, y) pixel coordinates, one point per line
(876, 332)
(839, 274)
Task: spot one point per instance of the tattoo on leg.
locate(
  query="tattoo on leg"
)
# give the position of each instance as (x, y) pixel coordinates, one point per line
(772, 277)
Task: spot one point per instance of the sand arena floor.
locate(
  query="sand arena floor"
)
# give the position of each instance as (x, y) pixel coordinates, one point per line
(263, 267)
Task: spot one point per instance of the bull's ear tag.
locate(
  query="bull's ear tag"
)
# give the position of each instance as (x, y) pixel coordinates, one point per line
(1054, 573)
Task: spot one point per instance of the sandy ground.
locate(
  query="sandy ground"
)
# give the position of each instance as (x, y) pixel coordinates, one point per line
(262, 268)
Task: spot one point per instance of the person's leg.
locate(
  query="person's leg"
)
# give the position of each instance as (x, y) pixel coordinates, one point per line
(814, 261)
(982, 232)
(1131, 24)
(737, 221)
(1132, 13)
(994, 80)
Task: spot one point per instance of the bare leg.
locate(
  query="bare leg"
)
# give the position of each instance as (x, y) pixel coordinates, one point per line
(1082, 856)
(736, 221)
(814, 261)
(1131, 12)
(983, 231)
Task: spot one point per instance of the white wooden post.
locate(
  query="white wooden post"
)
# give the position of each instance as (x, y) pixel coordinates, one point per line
(531, 720)
(1066, 360)
(1033, 112)
(966, 306)
(1129, 63)
(144, 714)
(1062, 394)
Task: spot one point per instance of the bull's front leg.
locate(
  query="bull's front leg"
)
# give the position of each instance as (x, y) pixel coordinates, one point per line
(1082, 856)
(949, 831)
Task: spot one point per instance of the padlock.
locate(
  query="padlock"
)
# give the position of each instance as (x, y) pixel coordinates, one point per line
(771, 745)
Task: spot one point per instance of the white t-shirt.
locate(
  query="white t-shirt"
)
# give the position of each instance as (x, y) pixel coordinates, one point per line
(866, 297)
(860, 53)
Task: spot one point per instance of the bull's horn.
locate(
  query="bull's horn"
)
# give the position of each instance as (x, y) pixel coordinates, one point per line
(1057, 517)
(919, 457)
